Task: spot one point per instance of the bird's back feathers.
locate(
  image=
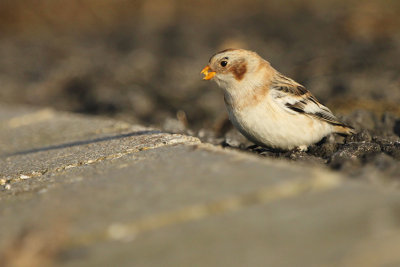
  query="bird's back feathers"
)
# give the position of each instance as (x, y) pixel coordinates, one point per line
(295, 98)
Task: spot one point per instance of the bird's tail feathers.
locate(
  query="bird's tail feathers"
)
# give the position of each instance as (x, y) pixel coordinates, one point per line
(344, 129)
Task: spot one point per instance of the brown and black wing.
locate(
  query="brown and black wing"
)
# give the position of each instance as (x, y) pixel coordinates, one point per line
(296, 99)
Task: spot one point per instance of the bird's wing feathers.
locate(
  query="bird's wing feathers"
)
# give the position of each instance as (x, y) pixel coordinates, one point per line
(295, 98)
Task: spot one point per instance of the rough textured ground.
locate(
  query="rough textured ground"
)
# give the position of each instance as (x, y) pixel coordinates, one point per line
(84, 191)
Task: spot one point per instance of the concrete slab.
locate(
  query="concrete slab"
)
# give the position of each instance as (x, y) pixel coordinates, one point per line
(105, 195)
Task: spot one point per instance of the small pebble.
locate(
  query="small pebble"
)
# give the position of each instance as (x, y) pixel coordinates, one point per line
(23, 176)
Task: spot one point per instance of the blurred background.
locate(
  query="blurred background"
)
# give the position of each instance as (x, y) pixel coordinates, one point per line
(140, 61)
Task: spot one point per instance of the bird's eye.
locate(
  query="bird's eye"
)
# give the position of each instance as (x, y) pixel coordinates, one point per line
(224, 63)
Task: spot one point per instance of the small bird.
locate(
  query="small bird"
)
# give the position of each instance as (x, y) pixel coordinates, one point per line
(267, 107)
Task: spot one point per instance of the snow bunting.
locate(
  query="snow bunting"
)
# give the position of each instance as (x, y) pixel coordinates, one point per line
(267, 107)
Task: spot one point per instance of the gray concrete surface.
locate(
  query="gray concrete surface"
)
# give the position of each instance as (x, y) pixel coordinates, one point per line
(85, 191)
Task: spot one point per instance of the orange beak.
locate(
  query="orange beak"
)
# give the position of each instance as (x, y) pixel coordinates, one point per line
(208, 75)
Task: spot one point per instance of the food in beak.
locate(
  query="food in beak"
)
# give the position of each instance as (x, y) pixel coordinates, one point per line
(208, 75)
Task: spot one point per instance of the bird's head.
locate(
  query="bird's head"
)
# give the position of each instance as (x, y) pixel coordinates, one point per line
(232, 67)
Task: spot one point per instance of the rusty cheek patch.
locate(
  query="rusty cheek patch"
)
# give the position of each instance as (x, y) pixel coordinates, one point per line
(239, 70)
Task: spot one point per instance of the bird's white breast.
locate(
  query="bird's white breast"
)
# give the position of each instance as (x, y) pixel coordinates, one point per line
(267, 124)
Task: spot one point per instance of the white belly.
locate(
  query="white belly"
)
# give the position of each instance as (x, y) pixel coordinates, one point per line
(269, 125)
